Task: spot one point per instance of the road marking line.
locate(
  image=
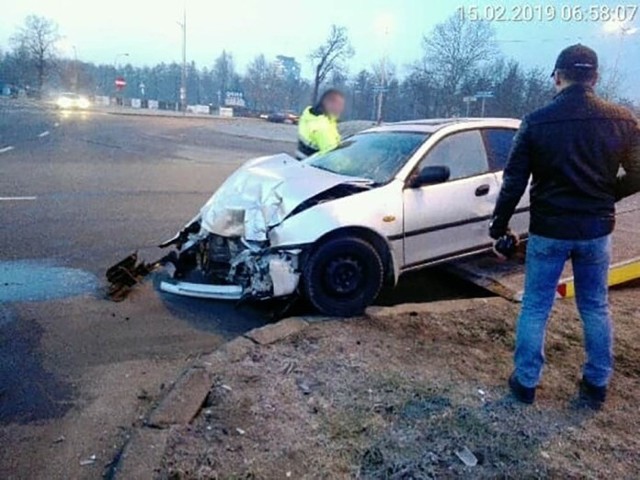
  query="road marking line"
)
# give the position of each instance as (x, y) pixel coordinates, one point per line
(17, 199)
(6, 149)
(43, 134)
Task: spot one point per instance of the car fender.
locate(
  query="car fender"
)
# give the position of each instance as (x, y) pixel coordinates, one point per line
(378, 211)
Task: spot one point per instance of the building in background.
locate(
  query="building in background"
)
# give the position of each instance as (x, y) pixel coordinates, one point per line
(287, 68)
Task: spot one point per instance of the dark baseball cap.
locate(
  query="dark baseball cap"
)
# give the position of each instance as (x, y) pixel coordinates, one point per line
(577, 57)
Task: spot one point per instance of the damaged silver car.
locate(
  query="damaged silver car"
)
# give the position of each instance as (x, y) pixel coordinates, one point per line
(340, 225)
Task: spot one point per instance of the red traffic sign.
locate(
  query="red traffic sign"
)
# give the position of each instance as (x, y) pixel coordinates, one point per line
(120, 83)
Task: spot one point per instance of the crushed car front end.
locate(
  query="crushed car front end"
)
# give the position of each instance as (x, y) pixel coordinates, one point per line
(227, 251)
(231, 268)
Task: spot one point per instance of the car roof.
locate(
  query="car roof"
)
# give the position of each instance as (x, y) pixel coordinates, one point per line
(432, 125)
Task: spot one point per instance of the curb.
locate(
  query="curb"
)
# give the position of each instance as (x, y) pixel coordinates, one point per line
(142, 453)
(183, 401)
(439, 307)
(163, 113)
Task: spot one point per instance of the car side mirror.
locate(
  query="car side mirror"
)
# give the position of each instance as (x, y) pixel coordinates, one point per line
(430, 176)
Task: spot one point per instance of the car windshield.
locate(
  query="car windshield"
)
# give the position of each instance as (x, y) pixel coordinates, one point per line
(70, 96)
(376, 156)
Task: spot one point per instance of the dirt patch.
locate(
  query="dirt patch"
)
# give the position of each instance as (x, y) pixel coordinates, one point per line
(397, 398)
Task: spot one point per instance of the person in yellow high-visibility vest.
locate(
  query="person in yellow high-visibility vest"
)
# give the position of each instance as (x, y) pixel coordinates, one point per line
(318, 125)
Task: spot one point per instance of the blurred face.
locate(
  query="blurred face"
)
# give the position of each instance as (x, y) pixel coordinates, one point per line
(334, 105)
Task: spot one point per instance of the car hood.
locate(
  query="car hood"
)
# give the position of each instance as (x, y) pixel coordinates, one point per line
(262, 193)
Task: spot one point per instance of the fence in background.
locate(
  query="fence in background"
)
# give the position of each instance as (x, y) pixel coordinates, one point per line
(139, 103)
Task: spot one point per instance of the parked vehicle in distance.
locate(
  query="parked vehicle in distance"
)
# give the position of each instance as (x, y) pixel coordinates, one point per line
(72, 101)
(339, 225)
(289, 118)
(246, 112)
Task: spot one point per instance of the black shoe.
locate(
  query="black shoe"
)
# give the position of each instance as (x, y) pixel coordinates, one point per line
(591, 395)
(523, 394)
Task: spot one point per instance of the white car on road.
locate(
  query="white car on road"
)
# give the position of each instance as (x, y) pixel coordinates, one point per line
(340, 225)
(72, 101)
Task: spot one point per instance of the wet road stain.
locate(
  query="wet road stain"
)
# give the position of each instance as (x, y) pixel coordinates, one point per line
(38, 280)
(28, 392)
(5, 316)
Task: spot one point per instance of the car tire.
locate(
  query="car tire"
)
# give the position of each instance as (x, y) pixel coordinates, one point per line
(343, 276)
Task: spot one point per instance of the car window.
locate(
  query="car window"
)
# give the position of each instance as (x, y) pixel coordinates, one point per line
(377, 156)
(498, 142)
(462, 152)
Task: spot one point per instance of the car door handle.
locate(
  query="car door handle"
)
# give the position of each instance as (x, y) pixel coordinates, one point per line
(483, 190)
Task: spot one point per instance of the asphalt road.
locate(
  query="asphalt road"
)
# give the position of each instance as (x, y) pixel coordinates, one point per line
(79, 191)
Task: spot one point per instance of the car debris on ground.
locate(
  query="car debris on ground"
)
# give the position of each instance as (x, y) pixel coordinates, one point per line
(89, 461)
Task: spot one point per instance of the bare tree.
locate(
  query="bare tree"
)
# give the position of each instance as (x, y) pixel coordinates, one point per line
(37, 38)
(262, 85)
(330, 56)
(538, 91)
(610, 82)
(224, 75)
(453, 51)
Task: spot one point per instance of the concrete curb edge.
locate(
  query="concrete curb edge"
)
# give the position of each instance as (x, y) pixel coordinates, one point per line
(142, 452)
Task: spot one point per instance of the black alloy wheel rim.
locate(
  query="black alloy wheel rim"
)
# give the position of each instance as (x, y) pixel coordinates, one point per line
(344, 276)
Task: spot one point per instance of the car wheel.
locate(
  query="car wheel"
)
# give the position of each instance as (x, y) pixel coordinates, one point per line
(343, 276)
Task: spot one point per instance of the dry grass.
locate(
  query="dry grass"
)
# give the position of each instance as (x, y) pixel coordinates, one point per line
(395, 399)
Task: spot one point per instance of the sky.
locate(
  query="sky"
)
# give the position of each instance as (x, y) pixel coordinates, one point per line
(148, 30)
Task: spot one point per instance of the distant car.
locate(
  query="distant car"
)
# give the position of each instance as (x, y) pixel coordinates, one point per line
(72, 101)
(338, 226)
(283, 117)
(245, 112)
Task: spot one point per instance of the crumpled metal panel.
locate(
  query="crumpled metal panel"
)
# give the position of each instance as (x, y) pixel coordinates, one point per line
(260, 195)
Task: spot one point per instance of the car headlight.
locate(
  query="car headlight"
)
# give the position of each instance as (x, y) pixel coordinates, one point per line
(64, 102)
(83, 103)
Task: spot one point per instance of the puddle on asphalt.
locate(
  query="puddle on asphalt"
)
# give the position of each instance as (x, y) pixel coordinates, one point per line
(29, 392)
(39, 280)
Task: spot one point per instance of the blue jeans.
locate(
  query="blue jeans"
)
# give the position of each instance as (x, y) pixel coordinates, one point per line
(545, 261)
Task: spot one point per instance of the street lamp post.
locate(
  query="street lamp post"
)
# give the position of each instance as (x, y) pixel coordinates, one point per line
(72, 67)
(383, 86)
(383, 26)
(75, 68)
(183, 76)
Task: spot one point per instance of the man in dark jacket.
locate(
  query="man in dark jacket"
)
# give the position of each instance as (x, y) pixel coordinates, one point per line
(573, 149)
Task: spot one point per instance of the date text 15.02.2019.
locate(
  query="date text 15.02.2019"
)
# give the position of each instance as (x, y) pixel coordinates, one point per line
(549, 13)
